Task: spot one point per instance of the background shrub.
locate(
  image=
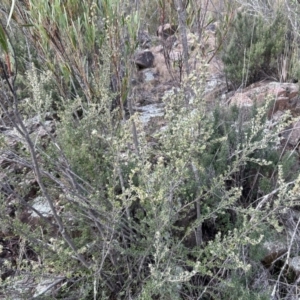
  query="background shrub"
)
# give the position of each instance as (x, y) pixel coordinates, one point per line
(255, 48)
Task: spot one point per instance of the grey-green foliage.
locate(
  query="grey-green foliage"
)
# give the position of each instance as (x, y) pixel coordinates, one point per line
(196, 136)
(132, 213)
(134, 218)
(254, 48)
(238, 289)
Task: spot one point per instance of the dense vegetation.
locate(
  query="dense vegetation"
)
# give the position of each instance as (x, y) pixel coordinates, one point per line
(183, 217)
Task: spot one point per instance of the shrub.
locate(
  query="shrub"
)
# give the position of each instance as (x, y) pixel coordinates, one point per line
(146, 228)
(254, 48)
(130, 220)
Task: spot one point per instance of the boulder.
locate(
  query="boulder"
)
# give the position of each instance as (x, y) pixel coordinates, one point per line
(285, 95)
(144, 59)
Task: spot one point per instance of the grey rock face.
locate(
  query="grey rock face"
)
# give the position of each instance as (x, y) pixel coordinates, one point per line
(144, 59)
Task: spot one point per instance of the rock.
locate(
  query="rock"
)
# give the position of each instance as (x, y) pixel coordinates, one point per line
(166, 30)
(294, 135)
(161, 68)
(148, 75)
(150, 111)
(285, 95)
(241, 99)
(144, 59)
(160, 90)
(20, 286)
(169, 43)
(157, 49)
(274, 249)
(46, 286)
(215, 88)
(43, 131)
(143, 97)
(161, 74)
(144, 39)
(42, 206)
(293, 268)
(32, 124)
(176, 55)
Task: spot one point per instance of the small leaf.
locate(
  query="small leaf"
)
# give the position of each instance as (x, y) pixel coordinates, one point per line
(27, 25)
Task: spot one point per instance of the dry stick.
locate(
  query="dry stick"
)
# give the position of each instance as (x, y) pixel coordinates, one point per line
(135, 137)
(23, 131)
(16, 195)
(286, 261)
(133, 128)
(127, 212)
(198, 208)
(200, 20)
(37, 172)
(182, 28)
(106, 251)
(69, 174)
(166, 52)
(90, 212)
(51, 285)
(230, 20)
(295, 285)
(265, 198)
